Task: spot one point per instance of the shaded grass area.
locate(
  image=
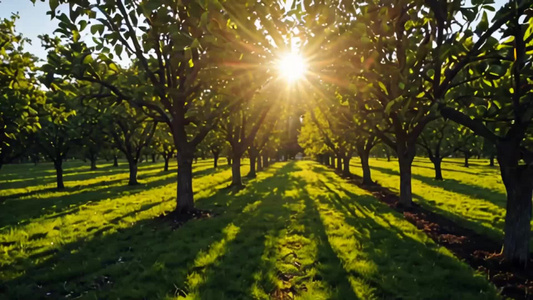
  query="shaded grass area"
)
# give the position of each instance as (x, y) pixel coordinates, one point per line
(473, 197)
(297, 230)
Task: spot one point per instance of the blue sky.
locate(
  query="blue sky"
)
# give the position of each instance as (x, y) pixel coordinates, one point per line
(33, 21)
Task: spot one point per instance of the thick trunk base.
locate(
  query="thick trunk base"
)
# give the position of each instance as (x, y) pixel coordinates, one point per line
(185, 197)
(133, 173)
(59, 176)
(406, 194)
(236, 178)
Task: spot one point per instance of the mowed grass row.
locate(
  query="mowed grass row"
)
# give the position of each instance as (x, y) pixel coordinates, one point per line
(296, 230)
(474, 197)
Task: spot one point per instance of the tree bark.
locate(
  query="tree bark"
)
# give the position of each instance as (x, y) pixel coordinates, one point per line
(466, 160)
(259, 163)
(93, 163)
(115, 161)
(265, 161)
(132, 163)
(58, 165)
(405, 160)
(215, 159)
(253, 156)
(167, 158)
(518, 181)
(339, 163)
(185, 197)
(437, 165)
(367, 176)
(236, 179)
(491, 160)
(346, 169)
(229, 161)
(153, 158)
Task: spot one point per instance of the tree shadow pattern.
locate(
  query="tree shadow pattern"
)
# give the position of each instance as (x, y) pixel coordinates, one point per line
(293, 231)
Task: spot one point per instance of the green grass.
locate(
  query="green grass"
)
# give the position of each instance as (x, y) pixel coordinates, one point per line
(474, 197)
(297, 230)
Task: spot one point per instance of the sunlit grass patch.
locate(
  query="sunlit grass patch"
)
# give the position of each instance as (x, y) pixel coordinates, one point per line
(473, 197)
(297, 230)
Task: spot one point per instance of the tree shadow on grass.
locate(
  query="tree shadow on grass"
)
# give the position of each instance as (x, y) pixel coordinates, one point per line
(403, 267)
(456, 170)
(22, 211)
(69, 177)
(241, 262)
(146, 260)
(455, 186)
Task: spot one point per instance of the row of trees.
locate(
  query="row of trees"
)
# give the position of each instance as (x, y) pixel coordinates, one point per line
(81, 119)
(430, 75)
(387, 70)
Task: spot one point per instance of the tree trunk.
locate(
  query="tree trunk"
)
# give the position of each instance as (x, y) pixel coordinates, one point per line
(252, 174)
(339, 163)
(167, 158)
(437, 165)
(259, 163)
(518, 181)
(367, 176)
(215, 159)
(58, 164)
(265, 161)
(115, 161)
(253, 157)
(153, 158)
(387, 152)
(229, 161)
(236, 179)
(466, 160)
(405, 161)
(491, 160)
(93, 163)
(133, 172)
(185, 197)
(346, 170)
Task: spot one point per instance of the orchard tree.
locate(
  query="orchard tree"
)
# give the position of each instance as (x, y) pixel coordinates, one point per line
(240, 130)
(498, 106)
(215, 143)
(163, 144)
(19, 91)
(186, 50)
(440, 139)
(131, 132)
(60, 132)
(265, 135)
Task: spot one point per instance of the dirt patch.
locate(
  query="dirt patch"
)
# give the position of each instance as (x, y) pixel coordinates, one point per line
(480, 252)
(177, 220)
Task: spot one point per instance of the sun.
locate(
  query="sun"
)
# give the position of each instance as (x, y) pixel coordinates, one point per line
(292, 67)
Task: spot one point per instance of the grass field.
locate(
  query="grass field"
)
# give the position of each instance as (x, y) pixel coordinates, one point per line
(296, 230)
(473, 197)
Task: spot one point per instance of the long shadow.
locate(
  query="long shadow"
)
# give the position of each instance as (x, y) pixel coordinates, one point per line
(330, 269)
(20, 212)
(146, 260)
(234, 274)
(455, 186)
(399, 258)
(73, 176)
